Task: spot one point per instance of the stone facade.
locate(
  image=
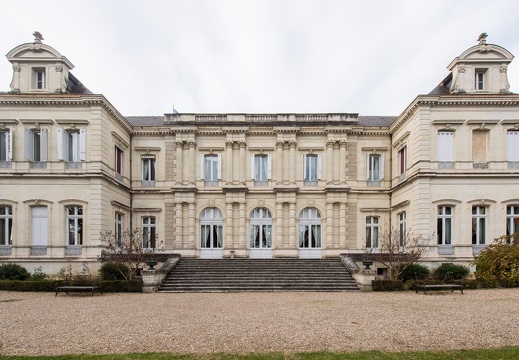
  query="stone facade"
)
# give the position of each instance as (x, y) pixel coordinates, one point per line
(255, 185)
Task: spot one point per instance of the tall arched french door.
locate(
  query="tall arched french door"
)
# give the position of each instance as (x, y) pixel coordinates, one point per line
(260, 234)
(211, 234)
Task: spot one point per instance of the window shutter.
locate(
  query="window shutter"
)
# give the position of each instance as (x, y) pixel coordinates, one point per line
(27, 144)
(319, 166)
(252, 167)
(368, 158)
(219, 166)
(9, 145)
(445, 146)
(60, 142)
(304, 167)
(513, 146)
(269, 166)
(82, 144)
(381, 166)
(202, 167)
(44, 144)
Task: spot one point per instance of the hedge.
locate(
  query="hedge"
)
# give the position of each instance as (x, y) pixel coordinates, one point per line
(50, 285)
(387, 285)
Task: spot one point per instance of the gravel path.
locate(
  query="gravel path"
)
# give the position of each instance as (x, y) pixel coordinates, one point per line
(41, 324)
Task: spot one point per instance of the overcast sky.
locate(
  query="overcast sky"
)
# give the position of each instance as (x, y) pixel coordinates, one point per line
(264, 56)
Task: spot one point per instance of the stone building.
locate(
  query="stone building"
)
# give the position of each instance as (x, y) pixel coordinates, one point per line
(255, 185)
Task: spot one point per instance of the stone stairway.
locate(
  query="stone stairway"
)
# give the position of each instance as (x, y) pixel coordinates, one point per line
(234, 275)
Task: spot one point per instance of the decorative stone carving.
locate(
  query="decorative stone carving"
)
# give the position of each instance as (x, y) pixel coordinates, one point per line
(179, 144)
(229, 143)
(16, 68)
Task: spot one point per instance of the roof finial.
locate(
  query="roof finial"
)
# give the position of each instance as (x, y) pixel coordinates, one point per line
(483, 39)
(37, 37)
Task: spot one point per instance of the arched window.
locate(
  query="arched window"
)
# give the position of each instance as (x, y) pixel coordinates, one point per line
(211, 229)
(260, 229)
(310, 228)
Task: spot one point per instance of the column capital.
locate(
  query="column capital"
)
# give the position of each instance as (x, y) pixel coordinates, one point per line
(280, 143)
(330, 143)
(229, 143)
(191, 144)
(292, 143)
(179, 143)
(242, 144)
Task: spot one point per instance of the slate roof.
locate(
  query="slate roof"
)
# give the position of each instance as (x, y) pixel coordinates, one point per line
(145, 120)
(443, 87)
(376, 120)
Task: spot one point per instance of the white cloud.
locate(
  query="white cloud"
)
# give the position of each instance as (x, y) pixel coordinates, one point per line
(371, 57)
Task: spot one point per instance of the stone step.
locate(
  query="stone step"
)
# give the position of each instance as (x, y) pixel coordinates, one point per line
(226, 275)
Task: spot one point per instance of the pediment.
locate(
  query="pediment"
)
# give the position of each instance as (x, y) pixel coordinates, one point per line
(37, 52)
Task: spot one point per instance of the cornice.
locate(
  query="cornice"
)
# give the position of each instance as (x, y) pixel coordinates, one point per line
(454, 101)
(67, 100)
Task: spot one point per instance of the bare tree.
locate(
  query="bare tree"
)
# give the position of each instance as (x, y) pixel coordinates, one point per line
(397, 250)
(129, 250)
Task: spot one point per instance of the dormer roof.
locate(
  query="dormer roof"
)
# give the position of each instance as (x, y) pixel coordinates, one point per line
(481, 69)
(39, 68)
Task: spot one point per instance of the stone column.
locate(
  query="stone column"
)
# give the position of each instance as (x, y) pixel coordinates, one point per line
(293, 144)
(191, 226)
(241, 230)
(242, 166)
(329, 226)
(15, 85)
(280, 241)
(229, 243)
(229, 145)
(329, 161)
(342, 225)
(292, 232)
(279, 162)
(180, 162)
(179, 226)
(342, 161)
(191, 175)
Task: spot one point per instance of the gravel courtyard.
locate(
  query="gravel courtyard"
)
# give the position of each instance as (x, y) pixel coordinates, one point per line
(41, 324)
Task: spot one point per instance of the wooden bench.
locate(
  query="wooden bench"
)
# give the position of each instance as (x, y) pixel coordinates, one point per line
(451, 287)
(80, 283)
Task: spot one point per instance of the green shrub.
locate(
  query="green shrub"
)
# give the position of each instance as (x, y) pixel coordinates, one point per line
(387, 285)
(113, 271)
(450, 272)
(498, 263)
(414, 272)
(12, 271)
(38, 274)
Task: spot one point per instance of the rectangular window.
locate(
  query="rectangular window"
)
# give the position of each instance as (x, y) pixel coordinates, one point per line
(74, 225)
(375, 167)
(402, 161)
(35, 146)
(39, 78)
(6, 146)
(479, 80)
(512, 219)
(312, 169)
(118, 229)
(445, 146)
(512, 146)
(148, 170)
(444, 225)
(402, 228)
(118, 160)
(479, 146)
(479, 220)
(6, 225)
(372, 230)
(211, 168)
(261, 166)
(148, 232)
(71, 145)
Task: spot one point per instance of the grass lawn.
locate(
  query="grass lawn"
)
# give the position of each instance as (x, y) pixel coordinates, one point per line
(483, 354)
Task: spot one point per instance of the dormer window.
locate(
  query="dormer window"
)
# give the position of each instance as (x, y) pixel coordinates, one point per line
(39, 78)
(480, 79)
